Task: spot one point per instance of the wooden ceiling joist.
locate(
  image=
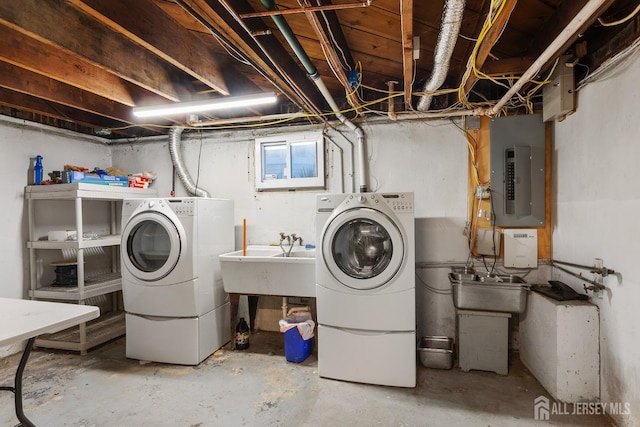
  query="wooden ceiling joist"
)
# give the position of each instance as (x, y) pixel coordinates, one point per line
(95, 43)
(490, 40)
(406, 24)
(30, 54)
(139, 20)
(46, 108)
(331, 55)
(278, 67)
(28, 82)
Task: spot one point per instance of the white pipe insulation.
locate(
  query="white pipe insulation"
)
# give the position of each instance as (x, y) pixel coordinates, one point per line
(355, 129)
(449, 30)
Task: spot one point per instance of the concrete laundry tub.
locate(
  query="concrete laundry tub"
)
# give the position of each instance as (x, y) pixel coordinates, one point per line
(265, 270)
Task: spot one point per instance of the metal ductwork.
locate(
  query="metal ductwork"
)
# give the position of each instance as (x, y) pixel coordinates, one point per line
(449, 30)
(317, 79)
(178, 164)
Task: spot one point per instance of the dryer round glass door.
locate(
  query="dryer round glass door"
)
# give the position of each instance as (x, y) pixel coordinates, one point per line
(151, 245)
(363, 248)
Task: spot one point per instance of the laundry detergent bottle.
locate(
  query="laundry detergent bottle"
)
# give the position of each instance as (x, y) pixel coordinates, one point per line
(242, 335)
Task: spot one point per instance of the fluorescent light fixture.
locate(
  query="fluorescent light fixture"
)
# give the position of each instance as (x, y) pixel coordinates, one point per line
(205, 105)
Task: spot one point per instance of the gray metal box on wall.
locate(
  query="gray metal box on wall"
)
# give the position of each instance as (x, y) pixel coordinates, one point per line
(558, 96)
(517, 156)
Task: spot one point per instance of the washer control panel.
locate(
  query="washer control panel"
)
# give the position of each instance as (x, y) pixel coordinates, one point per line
(182, 206)
(399, 202)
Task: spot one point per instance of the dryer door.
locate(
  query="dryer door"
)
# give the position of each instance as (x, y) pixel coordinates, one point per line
(151, 246)
(363, 248)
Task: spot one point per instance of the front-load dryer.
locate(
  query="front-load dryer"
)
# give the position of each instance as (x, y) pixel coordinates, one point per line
(365, 288)
(176, 308)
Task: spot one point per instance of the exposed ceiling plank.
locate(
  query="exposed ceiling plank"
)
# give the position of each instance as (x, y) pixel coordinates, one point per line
(511, 66)
(331, 25)
(25, 52)
(140, 19)
(406, 25)
(24, 81)
(61, 25)
(306, 9)
(278, 66)
(565, 13)
(35, 105)
(331, 55)
(490, 40)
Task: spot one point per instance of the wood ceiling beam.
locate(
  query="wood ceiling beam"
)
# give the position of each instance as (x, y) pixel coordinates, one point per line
(490, 40)
(331, 25)
(565, 13)
(306, 9)
(473, 22)
(509, 66)
(28, 82)
(63, 26)
(147, 25)
(65, 113)
(278, 66)
(406, 25)
(331, 55)
(33, 55)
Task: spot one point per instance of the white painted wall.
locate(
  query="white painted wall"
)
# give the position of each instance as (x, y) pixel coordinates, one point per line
(19, 143)
(427, 158)
(596, 203)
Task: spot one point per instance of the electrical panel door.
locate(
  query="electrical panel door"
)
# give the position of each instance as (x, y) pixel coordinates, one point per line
(517, 156)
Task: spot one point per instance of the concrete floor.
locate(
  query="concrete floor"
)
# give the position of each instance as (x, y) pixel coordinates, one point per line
(258, 387)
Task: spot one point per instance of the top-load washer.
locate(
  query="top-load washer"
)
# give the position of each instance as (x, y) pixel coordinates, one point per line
(171, 279)
(365, 288)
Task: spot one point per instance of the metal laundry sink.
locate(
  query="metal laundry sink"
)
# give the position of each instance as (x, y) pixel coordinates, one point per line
(498, 293)
(264, 270)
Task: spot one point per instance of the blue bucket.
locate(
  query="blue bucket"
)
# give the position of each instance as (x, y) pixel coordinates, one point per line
(295, 348)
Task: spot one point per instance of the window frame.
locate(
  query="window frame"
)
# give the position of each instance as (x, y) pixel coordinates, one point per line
(290, 139)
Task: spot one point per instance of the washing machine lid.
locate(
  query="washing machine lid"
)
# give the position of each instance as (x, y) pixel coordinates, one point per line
(363, 248)
(151, 246)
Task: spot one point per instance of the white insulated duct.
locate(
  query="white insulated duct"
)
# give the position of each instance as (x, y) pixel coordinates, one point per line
(181, 170)
(449, 30)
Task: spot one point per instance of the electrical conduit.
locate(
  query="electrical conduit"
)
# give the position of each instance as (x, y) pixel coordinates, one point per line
(317, 79)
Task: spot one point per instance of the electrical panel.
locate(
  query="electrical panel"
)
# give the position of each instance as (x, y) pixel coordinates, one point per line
(520, 248)
(517, 156)
(558, 96)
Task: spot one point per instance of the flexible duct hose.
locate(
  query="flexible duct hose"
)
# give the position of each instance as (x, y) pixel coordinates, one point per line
(181, 170)
(449, 30)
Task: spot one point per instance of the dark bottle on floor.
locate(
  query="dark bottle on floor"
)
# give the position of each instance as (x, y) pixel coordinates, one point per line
(242, 335)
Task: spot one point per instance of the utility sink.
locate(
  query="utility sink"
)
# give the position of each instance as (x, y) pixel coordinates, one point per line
(497, 293)
(265, 270)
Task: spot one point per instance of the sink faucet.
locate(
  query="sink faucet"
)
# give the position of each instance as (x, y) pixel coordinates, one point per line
(291, 241)
(294, 237)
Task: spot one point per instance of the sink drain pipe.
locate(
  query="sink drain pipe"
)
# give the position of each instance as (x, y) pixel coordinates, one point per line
(317, 79)
(176, 158)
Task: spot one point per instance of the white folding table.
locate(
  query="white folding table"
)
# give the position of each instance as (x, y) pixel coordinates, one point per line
(26, 319)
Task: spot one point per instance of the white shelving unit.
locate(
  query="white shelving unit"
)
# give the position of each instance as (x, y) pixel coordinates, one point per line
(110, 324)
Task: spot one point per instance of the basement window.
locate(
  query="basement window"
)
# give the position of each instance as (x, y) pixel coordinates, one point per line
(290, 161)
